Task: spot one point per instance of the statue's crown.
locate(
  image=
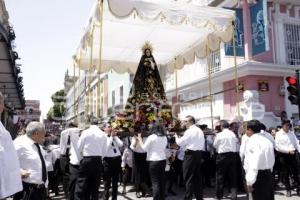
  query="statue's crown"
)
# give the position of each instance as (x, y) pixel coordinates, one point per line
(146, 46)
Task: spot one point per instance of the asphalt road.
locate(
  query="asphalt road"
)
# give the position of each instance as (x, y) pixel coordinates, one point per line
(208, 195)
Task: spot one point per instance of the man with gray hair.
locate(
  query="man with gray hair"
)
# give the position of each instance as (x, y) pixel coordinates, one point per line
(32, 161)
(10, 178)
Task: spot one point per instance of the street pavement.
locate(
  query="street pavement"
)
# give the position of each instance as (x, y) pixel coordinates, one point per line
(208, 195)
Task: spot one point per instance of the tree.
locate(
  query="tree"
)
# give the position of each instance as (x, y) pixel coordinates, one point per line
(56, 112)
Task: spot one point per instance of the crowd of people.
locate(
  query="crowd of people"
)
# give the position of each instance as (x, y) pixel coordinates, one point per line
(239, 157)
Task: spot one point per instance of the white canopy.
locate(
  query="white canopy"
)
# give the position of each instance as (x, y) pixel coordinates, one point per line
(177, 29)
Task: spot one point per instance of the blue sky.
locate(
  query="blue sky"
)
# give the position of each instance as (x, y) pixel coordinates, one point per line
(48, 32)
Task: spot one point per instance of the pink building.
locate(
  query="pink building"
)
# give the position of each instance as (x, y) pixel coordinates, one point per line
(264, 72)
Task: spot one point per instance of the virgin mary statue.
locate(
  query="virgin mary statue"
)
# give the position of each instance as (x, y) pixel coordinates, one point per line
(147, 99)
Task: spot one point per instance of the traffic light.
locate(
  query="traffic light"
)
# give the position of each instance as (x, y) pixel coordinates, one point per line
(293, 90)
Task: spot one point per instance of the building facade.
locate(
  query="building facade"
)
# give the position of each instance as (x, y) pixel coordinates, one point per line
(92, 94)
(11, 82)
(31, 112)
(263, 72)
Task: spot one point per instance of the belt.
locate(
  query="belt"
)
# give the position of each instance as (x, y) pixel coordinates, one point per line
(91, 156)
(226, 153)
(191, 152)
(32, 185)
(264, 170)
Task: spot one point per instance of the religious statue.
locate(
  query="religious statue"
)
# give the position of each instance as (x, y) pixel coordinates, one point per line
(147, 100)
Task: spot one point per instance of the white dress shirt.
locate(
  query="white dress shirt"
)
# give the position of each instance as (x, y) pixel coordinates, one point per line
(127, 158)
(259, 155)
(286, 142)
(244, 142)
(29, 159)
(92, 142)
(268, 136)
(193, 139)
(48, 160)
(75, 155)
(113, 146)
(226, 141)
(136, 147)
(55, 151)
(155, 146)
(180, 153)
(64, 139)
(10, 176)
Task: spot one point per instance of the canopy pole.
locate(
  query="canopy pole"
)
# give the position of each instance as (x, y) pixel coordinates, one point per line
(74, 82)
(176, 87)
(101, 36)
(78, 97)
(88, 92)
(210, 86)
(100, 57)
(236, 72)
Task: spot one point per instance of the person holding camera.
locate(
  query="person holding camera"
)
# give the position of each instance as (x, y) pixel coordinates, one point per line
(287, 145)
(193, 143)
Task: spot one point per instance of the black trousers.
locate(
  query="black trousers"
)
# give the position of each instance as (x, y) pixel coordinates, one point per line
(64, 166)
(178, 172)
(206, 169)
(32, 192)
(170, 178)
(226, 164)
(289, 168)
(140, 172)
(89, 177)
(74, 171)
(157, 176)
(112, 167)
(192, 175)
(264, 186)
(126, 176)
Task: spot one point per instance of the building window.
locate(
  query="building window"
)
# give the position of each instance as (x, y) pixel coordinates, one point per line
(113, 100)
(292, 44)
(215, 61)
(121, 95)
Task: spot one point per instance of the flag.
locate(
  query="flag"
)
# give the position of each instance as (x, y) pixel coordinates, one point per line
(259, 27)
(239, 35)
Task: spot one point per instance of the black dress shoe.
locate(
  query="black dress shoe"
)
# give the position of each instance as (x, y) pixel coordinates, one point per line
(138, 194)
(288, 193)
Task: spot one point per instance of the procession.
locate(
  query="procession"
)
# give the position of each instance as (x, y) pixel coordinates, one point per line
(177, 99)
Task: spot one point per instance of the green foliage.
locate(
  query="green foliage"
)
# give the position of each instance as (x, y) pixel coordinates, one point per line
(56, 112)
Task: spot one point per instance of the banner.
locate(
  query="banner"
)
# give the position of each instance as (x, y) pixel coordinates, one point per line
(239, 35)
(259, 27)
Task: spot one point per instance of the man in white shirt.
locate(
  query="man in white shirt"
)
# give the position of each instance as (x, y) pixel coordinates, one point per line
(258, 163)
(193, 142)
(226, 144)
(65, 145)
(112, 162)
(10, 177)
(74, 161)
(287, 145)
(32, 161)
(92, 147)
